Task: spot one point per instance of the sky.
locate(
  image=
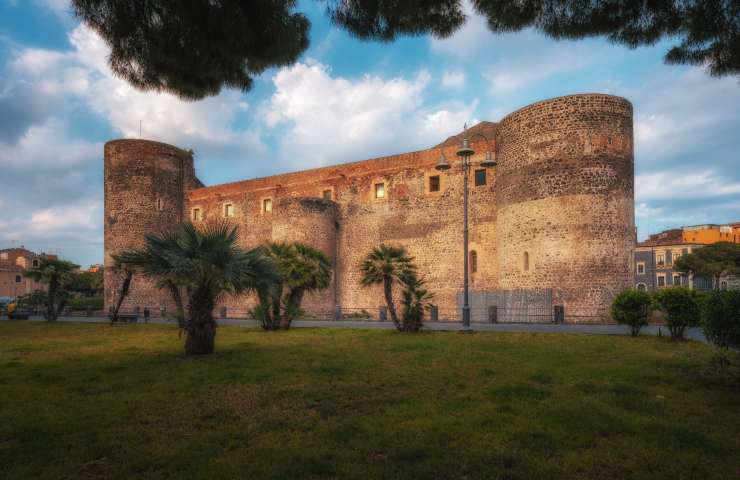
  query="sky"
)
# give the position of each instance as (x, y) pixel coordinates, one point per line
(344, 100)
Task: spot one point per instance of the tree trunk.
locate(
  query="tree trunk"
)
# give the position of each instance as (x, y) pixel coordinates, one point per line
(124, 292)
(292, 306)
(177, 297)
(388, 292)
(201, 326)
(201, 339)
(51, 309)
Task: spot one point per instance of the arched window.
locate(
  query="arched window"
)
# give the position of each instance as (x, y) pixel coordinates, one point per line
(473, 261)
(723, 285)
(641, 287)
(160, 204)
(525, 261)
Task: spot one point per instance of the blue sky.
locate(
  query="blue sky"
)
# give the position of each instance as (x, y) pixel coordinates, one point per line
(344, 100)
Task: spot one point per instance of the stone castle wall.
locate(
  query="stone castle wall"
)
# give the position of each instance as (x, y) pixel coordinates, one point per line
(144, 186)
(563, 191)
(566, 201)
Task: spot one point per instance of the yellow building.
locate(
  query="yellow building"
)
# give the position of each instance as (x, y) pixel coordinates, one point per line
(710, 233)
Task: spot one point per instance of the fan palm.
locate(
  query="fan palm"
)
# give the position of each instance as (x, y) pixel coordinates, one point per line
(300, 269)
(414, 300)
(208, 264)
(54, 273)
(386, 265)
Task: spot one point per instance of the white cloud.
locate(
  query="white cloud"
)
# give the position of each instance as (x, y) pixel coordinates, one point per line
(83, 73)
(335, 119)
(67, 217)
(682, 110)
(671, 184)
(453, 79)
(48, 146)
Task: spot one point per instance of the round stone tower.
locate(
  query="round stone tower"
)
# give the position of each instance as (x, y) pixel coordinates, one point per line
(565, 204)
(312, 221)
(145, 184)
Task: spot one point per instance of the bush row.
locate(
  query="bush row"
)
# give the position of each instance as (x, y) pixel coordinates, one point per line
(718, 312)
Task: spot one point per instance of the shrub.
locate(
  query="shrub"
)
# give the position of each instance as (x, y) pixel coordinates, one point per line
(681, 308)
(84, 303)
(632, 308)
(720, 315)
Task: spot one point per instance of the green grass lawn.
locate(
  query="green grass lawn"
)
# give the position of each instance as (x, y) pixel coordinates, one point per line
(93, 401)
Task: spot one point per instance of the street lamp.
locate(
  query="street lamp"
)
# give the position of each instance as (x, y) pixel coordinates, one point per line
(465, 152)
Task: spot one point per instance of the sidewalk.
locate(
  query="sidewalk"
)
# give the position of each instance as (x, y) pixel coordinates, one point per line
(600, 329)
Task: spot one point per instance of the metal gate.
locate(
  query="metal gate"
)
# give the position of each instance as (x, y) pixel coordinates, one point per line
(512, 306)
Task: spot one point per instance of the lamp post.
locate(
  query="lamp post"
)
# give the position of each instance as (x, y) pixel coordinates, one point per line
(465, 152)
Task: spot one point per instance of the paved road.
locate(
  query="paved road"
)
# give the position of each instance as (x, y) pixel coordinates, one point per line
(692, 333)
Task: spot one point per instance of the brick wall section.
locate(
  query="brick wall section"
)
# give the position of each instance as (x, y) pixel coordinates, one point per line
(145, 183)
(563, 191)
(566, 198)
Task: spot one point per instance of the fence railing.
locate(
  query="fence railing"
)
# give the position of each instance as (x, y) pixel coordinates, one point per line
(492, 314)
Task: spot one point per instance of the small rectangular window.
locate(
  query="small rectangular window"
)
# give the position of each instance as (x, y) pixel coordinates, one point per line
(326, 194)
(267, 205)
(640, 268)
(229, 210)
(676, 279)
(660, 259)
(434, 183)
(480, 177)
(380, 190)
(661, 280)
(18, 279)
(196, 214)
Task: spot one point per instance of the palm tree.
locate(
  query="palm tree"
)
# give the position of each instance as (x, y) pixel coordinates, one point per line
(414, 299)
(300, 269)
(207, 264)
(387, 264)
(54, 273)
(128, 276)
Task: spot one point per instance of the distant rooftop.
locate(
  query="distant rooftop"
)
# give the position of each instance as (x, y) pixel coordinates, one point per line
(675, 236)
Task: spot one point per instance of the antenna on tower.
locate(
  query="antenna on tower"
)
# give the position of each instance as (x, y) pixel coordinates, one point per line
(139, 128)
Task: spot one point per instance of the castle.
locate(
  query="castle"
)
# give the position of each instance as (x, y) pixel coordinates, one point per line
(551, 224)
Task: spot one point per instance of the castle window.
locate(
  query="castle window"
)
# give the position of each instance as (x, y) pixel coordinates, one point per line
(525, 261)
(661, 279)
(18, 279)
(160, 204)
(676, 279)
(473, 261)
(641, 268)
(434, 183)
(197, 214)
(723, 285)
(480, 177)
(267, 205)
(229, 210)
(326, 194)
(380, 190)
(641, 287)
(35, 264)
